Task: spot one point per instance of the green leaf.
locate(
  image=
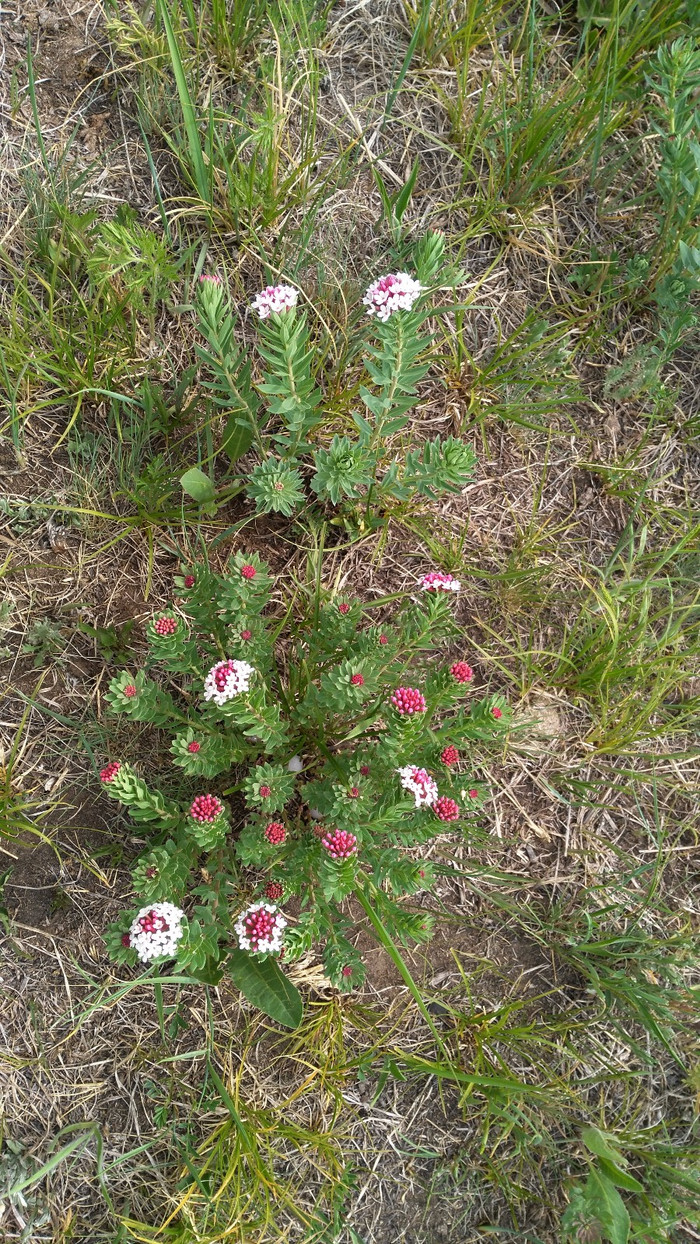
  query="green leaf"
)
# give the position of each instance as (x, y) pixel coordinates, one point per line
(267, 987)
(189, 115)
(612, 1163)
(237, 438)
(198, 485)
(605, 1202)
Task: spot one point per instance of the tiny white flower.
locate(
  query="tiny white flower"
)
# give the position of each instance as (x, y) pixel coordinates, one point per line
(275, 299)
(260, 929)
(226, 680)
(421, 785)
(395, 292)
(436, 581)
(156, 930)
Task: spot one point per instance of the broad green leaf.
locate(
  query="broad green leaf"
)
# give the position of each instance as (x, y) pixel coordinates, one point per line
(612, 1163)
(198, 485)
(607, 1205)
(267, 987)
(237, 438)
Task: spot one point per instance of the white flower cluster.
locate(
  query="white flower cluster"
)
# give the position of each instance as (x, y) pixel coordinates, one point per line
(156, 931)
(274, 299)
(421, 785)
(436, 581)
(260, 929)
(226, 680)
(396, 292)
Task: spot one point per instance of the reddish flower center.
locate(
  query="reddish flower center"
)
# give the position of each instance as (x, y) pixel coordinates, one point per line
(189, 580)
(130, 690)
(126, 940)
(153, 922)
(246, 635)
(275, 833)
(248, 572)
(446, 809)
(383, 639)
(461, 672)
(206, 808)
(358, 680)
(473, 794)
(364, 770)
(449, 756)
(194, 746)
(265, 792)
(347, 970)
(259, 926)
(344, 607)
(496, 712)
(110, 771)
(354, 792)
(165, 626)
(274, 889)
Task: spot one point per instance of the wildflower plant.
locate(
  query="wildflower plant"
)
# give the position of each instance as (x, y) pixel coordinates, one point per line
(279, 415)
(317, 760)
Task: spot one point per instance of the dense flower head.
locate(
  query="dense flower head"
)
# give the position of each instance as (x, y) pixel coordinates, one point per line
(190, 580)
(364, 770)
(156, 930)
(206, 808)
(130, 690)
(449, 755)
(265, 792)
(358, 680)
(397, 291)
(344, 607)
(248, 571)
(226, 680)
(110, 771)
(274, 890)
(165, 626)
(436, 581)
(275, 833)
(339, 844)
(408, 700)
(497, 713)
(421, 785)
(275, 299)
(194, 746)
(246, 635)
(347, 970)
(209, 278)
(354, 792)
(383, 639)
(260, 929)
(473, 793)
(461, 672)
(446, 809)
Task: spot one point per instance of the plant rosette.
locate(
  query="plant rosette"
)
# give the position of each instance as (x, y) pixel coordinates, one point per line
(343, 756)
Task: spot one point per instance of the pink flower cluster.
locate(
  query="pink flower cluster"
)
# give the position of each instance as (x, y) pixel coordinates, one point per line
(446, 809)
(395, 292)
(421, 785)
(274, 890)
(424, 789)
(260, 929)
(408, 700)
(275, 299)
(206, 808)
(165, 626)
(275, 833)
(461, 672)
(156, 931)
(436, 581)
(226, 680)
(449, 756)
(248, 571)
(110, 771)
(339, 844)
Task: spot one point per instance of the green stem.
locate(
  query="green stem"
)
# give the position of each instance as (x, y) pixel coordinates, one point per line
(393, 952)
